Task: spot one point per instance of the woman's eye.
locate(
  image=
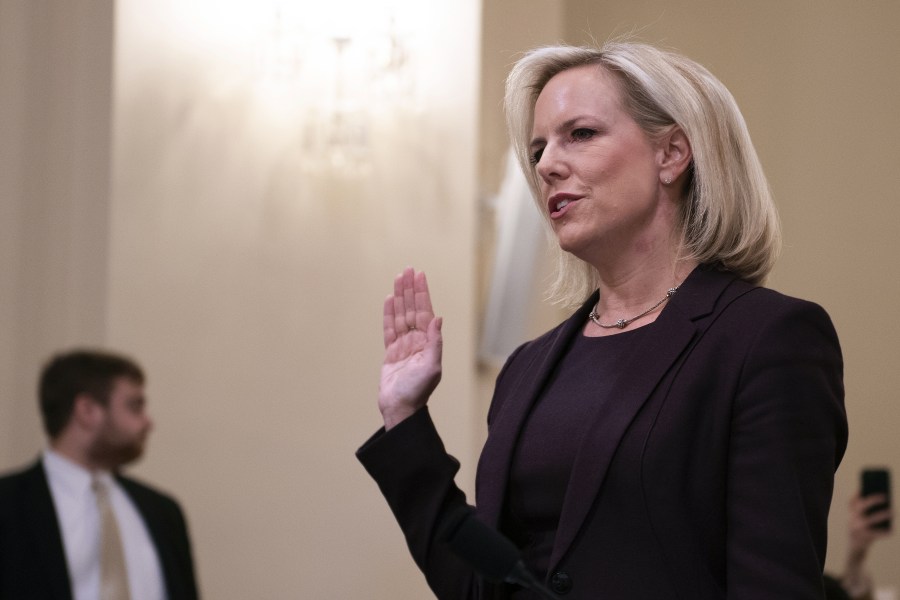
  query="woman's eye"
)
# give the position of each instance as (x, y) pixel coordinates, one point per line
(536, 156)
(583, 133)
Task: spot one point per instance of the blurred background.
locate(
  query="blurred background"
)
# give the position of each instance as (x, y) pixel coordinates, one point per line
(225, 190)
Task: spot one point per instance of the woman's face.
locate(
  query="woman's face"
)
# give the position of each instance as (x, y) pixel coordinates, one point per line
(599, 173)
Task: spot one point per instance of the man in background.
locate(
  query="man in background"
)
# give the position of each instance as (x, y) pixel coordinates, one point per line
(72, 527)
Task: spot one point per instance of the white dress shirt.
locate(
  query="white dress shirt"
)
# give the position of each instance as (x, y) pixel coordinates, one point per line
(79, 522)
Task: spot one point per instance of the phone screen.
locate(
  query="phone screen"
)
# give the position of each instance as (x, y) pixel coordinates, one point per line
(877, 481)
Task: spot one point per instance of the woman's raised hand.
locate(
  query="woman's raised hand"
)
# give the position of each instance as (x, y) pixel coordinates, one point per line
(412, 349)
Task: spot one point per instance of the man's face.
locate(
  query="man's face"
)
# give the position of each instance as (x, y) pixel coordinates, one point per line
(121, 435)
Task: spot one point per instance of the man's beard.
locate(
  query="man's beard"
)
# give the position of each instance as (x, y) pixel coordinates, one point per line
(112, 451)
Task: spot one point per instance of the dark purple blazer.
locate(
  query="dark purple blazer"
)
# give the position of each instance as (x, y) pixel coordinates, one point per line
(712, 478)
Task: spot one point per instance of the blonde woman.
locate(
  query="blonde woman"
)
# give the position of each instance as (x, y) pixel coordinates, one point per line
(677, 436)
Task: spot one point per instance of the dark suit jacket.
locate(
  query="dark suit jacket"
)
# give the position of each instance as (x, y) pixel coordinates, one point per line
(32, 559)
(713, 476)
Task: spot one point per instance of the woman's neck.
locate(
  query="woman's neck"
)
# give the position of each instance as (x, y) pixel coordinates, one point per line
(627, 292)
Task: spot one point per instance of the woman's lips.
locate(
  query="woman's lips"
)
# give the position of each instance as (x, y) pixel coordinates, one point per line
(559, 203)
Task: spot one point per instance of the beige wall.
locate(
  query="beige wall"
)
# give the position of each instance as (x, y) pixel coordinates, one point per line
(263, 333)
(55, 115)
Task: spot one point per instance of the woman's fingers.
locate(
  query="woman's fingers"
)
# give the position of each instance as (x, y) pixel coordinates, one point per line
(410, 305)
(388, 323)
(409, 298)
(422, 299)
(408, 311)
(399, 305)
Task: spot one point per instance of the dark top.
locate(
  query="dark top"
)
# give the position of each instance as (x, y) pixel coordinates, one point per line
(548, 444)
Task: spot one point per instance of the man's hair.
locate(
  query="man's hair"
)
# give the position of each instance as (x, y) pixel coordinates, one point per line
(70, 374)
(727, 214)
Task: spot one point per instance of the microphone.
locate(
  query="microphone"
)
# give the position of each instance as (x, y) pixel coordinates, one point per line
(490, 553)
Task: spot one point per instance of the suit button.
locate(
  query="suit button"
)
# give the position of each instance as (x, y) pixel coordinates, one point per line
(561, 582)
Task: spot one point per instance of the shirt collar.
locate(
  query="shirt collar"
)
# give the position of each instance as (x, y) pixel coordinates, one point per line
(69, 475)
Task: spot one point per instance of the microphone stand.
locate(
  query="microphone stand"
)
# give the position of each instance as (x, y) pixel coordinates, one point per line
(490, 553)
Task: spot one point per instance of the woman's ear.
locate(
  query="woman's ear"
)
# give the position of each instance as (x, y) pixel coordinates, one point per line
(675, 155)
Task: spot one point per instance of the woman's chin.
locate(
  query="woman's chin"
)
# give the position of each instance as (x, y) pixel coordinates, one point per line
(574, 245)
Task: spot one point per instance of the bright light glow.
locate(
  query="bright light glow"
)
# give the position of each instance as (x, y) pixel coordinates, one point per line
(329, 71)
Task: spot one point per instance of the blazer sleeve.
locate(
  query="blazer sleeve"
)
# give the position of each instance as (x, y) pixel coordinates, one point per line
(788, 434)
(416, 477)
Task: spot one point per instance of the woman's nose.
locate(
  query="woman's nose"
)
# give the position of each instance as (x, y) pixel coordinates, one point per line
(551, 165)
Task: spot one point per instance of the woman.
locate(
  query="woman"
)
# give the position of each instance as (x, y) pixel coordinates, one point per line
(677, 436)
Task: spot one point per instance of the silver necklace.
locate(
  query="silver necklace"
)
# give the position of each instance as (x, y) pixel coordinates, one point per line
(623, 323)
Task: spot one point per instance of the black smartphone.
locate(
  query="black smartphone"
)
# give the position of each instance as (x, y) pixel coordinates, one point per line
(877, 481)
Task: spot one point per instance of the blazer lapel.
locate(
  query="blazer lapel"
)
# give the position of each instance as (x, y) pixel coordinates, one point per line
(674, 329)
(501, 442)
(155, 527)
(40, 515)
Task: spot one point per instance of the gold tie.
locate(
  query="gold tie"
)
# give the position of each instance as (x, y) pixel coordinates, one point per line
(113, 573)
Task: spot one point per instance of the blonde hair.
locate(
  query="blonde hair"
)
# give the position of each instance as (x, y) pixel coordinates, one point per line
(728, 215)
